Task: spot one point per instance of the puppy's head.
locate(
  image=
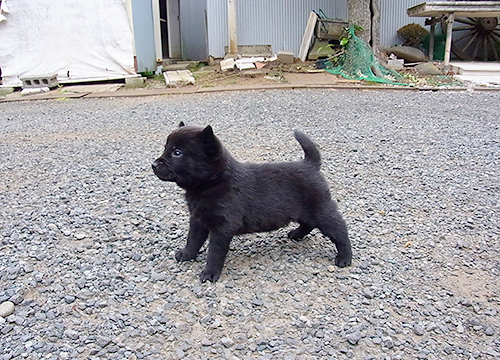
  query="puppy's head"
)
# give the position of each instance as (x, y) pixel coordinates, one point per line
(193, 157)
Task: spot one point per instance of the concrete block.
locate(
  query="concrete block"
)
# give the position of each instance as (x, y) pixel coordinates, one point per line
(180, 77)
(286, 57)
(39, 81)
(135, 82)
(395, 64)
(244, 64)
(227, 64)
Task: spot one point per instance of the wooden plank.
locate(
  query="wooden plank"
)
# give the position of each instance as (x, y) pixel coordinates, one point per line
(459, 8)
(307, 38)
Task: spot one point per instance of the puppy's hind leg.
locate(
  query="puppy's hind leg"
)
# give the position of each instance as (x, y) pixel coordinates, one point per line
(300, 232)
(333, 226)
(196, 238)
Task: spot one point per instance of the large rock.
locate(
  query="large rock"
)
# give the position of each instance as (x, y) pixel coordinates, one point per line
(428, 68)
(408, 53)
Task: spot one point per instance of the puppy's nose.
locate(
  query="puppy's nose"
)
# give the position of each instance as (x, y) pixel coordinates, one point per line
(156, 163)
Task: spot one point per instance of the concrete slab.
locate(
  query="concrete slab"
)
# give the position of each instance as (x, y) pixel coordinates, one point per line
(477, 66)
(178, 77)
(479, 73)
(482, 79)
(87, 88)
(52, 95)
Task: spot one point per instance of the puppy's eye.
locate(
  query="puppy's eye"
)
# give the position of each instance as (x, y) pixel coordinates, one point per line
(176, 153)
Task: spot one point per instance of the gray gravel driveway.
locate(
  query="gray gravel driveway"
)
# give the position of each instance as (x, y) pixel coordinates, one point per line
(88, 233)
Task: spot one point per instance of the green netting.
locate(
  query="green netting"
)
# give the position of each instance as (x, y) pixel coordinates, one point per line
(357, 62)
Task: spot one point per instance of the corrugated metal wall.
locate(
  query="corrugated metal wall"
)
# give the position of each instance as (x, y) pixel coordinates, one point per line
(279, 23)
(393, 17)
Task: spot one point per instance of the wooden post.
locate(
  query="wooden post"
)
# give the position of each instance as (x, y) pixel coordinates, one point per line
(231, 14)
(449, 33)
(431, 39)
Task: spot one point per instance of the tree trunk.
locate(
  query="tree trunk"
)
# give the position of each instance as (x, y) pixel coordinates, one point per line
(365, 13)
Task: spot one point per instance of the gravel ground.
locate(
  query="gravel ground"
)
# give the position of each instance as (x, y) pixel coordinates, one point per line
(88, 233)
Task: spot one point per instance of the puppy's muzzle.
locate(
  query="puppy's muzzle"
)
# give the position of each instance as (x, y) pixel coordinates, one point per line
(161, 169)
(157, 163)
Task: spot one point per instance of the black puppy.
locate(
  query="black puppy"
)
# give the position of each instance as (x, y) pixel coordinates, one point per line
(227, 197)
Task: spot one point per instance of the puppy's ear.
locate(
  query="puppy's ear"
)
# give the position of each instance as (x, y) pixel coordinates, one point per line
(209, 141)
(181, 124)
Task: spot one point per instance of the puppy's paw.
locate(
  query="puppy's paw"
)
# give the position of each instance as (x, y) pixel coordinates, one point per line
(183, 255)
(210, 275)
(342, 261)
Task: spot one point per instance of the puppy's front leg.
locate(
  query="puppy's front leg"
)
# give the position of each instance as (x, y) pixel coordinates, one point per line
(196, 238)
(217, 251)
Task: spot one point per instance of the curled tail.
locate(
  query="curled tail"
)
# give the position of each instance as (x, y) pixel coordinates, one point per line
(311, 151)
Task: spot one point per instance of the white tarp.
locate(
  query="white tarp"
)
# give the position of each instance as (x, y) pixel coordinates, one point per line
(77, 40)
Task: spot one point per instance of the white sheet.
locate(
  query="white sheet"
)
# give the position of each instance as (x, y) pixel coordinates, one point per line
(77, 40)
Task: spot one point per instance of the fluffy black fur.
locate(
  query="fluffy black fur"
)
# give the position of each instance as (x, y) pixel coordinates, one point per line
(227, 197)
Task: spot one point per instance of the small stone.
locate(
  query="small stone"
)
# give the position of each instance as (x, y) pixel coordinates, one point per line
(103, 341)
(489, 331)
(80, 236)
(257, 302)
(460, 329)
(72, 334)
(418, 329)
(422, 355)
(354, 337)
(180, 354)
(6, 309)
(387, 342)
(206, 319)
(15, 319)
(6, 329)
(69, 299)
(467, 303)
(368, 293)
(227, 342)
(136, 257)
(206, 342)
(17, 299)
(331, 268)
